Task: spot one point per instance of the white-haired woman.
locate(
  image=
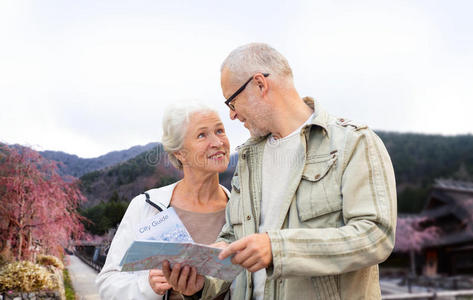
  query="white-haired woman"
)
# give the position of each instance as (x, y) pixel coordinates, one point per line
(196, 143)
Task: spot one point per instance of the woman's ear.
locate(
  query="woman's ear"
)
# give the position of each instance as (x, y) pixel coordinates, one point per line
(181, 156)
(178, 155)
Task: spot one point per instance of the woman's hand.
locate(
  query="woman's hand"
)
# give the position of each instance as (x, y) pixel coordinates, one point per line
(221, 245)
(184, 280)
(158, 282)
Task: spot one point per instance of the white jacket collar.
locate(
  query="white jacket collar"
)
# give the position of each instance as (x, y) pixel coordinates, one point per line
(162, 196)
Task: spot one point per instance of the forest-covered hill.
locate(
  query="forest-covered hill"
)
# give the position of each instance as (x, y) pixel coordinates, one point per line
(134, 176)
(71, 164)
(418, 160)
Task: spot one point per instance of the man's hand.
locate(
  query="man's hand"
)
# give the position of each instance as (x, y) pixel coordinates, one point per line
(158, 282)
(252, 252)
(184, 280)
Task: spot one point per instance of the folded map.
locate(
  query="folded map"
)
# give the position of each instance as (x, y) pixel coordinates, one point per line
(149, 254)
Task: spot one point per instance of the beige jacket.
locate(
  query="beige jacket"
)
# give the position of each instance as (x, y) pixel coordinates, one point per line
(337, 222)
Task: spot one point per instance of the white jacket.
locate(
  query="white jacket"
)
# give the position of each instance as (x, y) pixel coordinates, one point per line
(114, 284)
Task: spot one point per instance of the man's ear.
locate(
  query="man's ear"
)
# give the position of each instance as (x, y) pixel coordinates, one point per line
(262, 83)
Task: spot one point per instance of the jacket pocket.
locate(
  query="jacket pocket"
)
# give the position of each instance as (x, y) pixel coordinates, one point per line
(235, 216)
(318, 193)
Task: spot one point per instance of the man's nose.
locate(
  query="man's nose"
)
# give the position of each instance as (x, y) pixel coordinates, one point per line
(232, 114)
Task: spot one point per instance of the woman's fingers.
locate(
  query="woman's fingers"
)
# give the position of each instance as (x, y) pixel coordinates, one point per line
(158, 282)
(184, 280)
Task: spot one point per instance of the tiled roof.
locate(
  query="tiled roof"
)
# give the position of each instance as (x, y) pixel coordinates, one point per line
(448, 184)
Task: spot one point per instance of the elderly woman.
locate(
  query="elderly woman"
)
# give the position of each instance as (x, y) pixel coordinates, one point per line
(195, 140)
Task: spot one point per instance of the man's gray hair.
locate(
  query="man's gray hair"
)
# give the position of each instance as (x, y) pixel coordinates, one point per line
(175, 124)
(249, 59)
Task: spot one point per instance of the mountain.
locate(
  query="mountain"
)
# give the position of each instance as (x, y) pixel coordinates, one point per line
(418, 160)
(70, 164)
(127, 179)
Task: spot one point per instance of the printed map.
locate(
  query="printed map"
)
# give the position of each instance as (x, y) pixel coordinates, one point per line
(145, 255)
(164, 226)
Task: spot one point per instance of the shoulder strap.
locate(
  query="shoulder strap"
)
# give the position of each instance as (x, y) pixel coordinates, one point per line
(167, 294)
(152, 203)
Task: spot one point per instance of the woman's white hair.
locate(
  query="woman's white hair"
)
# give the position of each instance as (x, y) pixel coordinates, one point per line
(249, 59)
(175, 123)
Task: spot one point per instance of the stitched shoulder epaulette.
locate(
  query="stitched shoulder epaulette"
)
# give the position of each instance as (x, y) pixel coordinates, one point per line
(345, 123)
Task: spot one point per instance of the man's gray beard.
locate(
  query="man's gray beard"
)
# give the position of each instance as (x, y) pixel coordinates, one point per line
(256, 132)
(261, 113)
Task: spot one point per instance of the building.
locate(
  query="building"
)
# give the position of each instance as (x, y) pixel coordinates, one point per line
(449, 208)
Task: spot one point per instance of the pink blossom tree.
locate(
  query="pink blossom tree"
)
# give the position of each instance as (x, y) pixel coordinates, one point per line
(411, 237)
(37, 206)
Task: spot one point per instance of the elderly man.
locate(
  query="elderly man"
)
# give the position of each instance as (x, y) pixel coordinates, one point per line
(313, 204)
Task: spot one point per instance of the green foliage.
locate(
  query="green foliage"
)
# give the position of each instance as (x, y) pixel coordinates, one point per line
(104, 216)
(125, 180)
(130, 170)
(412, 200)
(419, 159)
(70, 293)
(90, 177)
(25, 276)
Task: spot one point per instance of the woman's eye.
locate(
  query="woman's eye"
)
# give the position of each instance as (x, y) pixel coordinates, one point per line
(220, 131)
(201, 135)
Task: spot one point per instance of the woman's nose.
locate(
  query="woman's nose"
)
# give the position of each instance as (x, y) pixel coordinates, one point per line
(216, 141)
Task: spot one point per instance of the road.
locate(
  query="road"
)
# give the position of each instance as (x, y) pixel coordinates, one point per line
(83, 279)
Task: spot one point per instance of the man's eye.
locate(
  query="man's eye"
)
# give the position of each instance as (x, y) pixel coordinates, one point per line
(201, 135)
(220, 131)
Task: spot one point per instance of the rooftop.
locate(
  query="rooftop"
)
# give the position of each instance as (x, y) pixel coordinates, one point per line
(454, 185)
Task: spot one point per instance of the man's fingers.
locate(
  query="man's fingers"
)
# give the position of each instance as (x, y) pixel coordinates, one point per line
(245, 258)
(232, 248)
(255, 267)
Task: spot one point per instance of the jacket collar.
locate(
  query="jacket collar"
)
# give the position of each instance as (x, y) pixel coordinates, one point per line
(320, 119)
(162, 196)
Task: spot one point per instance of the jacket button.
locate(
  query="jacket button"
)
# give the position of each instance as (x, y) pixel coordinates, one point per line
(317, 176)
(248, 217)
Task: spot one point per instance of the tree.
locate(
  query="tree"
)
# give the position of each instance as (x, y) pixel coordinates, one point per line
(411, 237)
(104, 216)
(37, 206)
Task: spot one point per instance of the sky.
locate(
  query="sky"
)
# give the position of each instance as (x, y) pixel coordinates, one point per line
(89, 77)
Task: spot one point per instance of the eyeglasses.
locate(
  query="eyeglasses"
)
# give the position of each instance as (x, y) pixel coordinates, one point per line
(232, 97)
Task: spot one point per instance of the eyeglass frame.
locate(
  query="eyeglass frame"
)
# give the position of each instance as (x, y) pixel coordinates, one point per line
(234, 95)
